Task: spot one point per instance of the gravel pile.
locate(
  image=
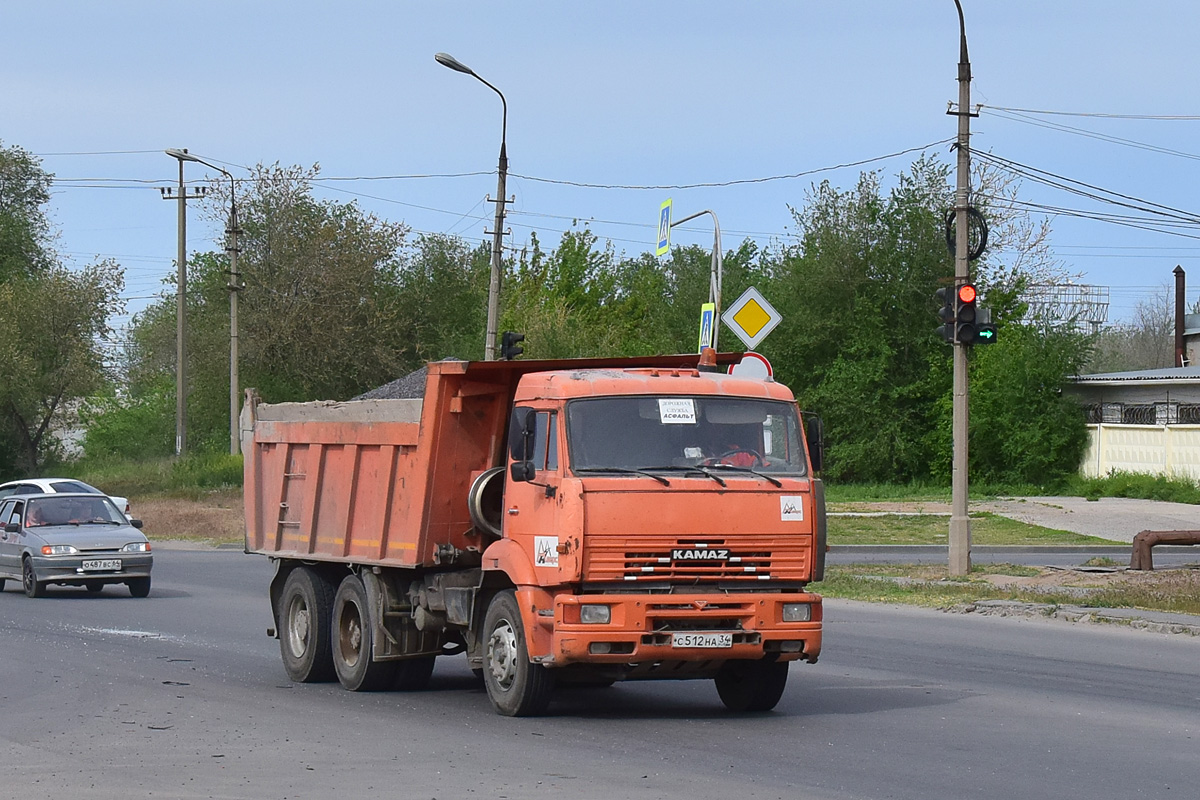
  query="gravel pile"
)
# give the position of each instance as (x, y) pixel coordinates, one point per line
(409, 387)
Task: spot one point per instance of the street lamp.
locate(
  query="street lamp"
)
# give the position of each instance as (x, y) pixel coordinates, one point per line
(489, 350)
(181, 301)
(234, 287)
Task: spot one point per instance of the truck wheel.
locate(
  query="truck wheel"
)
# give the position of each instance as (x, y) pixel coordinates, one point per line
(33, 587)
(412, 674)
(752, 685)
(304, 612)
(516, 686)
(352, 645)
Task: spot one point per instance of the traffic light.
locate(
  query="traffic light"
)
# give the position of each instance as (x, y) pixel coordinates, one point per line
(945, 299)
(509, 349)
(965, 330)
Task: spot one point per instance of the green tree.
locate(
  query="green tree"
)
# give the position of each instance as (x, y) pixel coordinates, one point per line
(51, 328)
(24, 229)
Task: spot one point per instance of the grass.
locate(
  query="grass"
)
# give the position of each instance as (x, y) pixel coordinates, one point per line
(1176, 590)
(1118, 484)
(986, 529)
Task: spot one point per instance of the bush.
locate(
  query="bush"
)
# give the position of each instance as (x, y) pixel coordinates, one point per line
(1138, 485)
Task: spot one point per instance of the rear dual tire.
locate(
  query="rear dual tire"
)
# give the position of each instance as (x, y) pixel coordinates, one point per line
(305, 607)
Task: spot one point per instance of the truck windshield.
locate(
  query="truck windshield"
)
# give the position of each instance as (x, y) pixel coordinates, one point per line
(629, 433)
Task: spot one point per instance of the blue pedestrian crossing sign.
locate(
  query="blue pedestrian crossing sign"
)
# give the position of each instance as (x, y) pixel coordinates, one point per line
(664, 228)
(708, 318)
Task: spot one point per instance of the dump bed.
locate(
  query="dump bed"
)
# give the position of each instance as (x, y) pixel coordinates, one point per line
(386, 482)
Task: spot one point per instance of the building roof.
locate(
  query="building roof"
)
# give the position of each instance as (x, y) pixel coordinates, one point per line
(1188, 375)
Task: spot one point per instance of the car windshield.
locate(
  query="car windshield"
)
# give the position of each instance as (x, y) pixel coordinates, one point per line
(72, 511)
(624, 433)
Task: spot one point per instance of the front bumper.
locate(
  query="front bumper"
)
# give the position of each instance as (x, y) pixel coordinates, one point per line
(641, 627)
(69, 571)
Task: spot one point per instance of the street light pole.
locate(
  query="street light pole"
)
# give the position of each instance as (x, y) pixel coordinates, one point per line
(493, 313)
(181, 302)
(715, 274)
(234, 287)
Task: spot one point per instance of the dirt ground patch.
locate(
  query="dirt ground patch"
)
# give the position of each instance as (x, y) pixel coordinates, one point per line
(215, 518)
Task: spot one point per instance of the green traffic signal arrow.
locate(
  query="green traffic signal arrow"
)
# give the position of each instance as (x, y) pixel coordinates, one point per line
(987, 333)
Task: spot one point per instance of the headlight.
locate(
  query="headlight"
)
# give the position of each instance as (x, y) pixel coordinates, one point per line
(797, 612)
(595, 614)
(58, 550)
(136, 547)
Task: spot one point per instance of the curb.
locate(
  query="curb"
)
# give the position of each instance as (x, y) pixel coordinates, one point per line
(1138, 620)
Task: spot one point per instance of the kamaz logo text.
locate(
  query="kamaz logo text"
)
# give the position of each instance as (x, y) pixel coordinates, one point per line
(700, 554)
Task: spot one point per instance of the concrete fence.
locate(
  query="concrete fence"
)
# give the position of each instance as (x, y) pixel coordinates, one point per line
(1169, 450)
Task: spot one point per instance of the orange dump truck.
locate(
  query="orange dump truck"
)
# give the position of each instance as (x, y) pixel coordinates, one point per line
(575, 521)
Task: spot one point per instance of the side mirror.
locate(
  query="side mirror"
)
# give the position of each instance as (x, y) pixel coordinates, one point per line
(814, 436)
(137, 523)
(521, 471)
(520, 432)
(12, 527)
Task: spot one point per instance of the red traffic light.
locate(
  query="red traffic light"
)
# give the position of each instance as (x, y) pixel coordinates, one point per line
(966, 293)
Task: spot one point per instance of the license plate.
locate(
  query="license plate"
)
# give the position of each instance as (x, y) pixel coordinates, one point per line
(702, 640)
(102, 565)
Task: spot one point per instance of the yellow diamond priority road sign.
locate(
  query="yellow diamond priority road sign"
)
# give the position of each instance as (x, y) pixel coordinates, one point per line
(751, 317)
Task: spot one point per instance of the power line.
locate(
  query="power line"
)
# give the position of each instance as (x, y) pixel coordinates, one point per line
(1054, 126)
(1161, 117)
(738, 182)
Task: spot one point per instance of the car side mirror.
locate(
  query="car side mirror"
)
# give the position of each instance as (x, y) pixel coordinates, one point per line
(137, 523)
(520, 432)
(521, 471)
(814, 436)
(12, 527)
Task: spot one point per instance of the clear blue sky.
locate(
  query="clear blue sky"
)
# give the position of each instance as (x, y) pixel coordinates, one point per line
(641, 93)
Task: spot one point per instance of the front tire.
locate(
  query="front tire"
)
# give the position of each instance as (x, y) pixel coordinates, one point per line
(353, 632)
(516, 686)
(305, 611)
(94, 586)
(412, 674)
(752, 685)
(33, 587)
(138, 587)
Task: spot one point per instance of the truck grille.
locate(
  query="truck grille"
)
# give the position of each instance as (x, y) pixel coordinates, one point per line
(658, 559)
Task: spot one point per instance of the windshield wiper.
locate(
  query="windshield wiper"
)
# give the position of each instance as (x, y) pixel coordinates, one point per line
(625, 471)
(752, 470)
(692, 468)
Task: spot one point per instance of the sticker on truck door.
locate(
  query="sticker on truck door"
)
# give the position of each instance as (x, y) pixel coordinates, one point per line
(791, 507)
(545, 551)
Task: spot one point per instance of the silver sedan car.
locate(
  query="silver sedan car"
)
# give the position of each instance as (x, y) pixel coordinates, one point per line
(71, 540)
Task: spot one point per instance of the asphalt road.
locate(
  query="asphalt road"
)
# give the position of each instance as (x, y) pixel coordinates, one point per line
(182, 695)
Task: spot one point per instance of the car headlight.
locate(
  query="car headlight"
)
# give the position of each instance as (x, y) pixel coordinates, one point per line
(595, 614)
(136, 547)
(58, 550)
(797, 612)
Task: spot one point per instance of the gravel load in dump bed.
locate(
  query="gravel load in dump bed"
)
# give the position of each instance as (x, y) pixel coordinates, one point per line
(410, 386)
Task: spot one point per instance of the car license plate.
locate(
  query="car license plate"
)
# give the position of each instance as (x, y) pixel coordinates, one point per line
(102, 565)
(702, 640)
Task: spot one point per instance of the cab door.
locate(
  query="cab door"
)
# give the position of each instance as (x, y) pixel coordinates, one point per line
(533, 508)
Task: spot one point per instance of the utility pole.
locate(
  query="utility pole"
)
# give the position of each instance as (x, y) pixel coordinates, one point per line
(181, 301)
(234, 287)
(960, 522)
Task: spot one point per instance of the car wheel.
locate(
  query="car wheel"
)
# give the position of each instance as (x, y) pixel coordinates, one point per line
(352, 641)
(33, 587)
(516, 686)
(752, 685)
(305, 609)
(139, 587)
(94, 586)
